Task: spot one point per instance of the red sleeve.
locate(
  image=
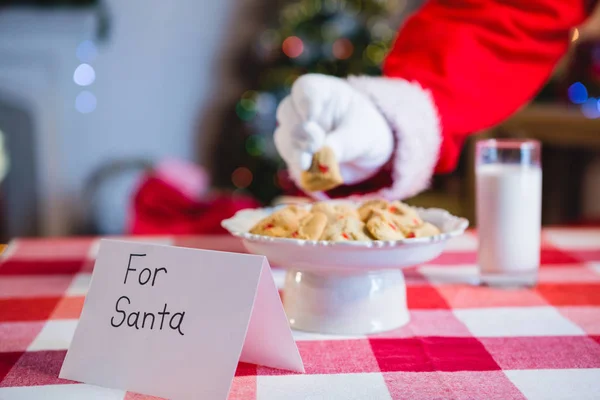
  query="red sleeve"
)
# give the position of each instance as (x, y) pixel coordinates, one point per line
(481, 59)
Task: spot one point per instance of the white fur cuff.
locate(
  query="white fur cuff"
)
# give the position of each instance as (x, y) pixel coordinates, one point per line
(412, 115)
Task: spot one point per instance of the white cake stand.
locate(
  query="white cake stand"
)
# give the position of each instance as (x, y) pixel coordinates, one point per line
(346, 288)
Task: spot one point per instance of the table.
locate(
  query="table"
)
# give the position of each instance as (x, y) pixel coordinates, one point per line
(463, 341)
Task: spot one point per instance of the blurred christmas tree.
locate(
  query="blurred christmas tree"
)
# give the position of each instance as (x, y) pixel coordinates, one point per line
(334, 37)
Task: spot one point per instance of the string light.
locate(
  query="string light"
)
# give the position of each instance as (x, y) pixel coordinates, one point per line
(241, 177)
(577, 93)
(248, 104)
(266, 103)
(382, 31)
(342, 48)
(374, 54)
(250, 94)
(84, 75)
(255, 145)
(396, 7)
(85, 102)
(245, 109)
(292, 46)
(590, 108)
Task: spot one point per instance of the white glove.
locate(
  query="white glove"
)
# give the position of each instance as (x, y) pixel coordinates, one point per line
(326, 111)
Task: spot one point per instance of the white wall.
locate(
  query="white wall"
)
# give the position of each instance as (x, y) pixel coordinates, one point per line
(154, 76)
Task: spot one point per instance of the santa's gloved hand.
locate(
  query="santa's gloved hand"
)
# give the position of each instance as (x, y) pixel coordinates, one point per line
(327, 111)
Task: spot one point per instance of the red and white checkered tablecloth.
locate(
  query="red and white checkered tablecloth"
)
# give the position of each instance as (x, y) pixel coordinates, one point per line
(463, 341)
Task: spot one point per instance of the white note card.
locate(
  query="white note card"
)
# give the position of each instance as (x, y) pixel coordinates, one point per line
(174, 322)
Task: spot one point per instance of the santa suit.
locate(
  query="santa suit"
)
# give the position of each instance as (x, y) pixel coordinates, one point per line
(458, 67)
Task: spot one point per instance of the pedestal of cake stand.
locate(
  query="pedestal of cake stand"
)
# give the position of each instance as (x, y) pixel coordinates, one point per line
(345, 303)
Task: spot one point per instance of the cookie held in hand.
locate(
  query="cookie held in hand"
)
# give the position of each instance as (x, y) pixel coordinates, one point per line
(323, 174)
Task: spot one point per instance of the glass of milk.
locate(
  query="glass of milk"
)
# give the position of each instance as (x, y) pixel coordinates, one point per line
(509, 202)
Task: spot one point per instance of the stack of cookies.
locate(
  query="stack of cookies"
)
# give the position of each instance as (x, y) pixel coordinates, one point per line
(372, 220)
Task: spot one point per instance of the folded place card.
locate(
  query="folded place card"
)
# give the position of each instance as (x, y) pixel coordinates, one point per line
(174, 322)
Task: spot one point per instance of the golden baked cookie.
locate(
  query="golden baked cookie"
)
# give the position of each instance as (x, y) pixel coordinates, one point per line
(335, 211)
(346, 210)
(299, 211)
(281, 223)
(426, 229)
(348, 228)
(324, 172)
(364, 211)
(311, 226)
(382, 226)
(405, 214)
(373, 220)
(325, 208)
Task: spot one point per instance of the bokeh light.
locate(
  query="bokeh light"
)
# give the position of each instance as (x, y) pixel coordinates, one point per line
(591, 108)
(292, 46)
(375, 54)
(382, 31)
(86, 51)
(245, 109)
(84, 75)
(85, 102)
(342, 48)
(241, 177)
(250, 94)
(396, 7)
(255, 145)
(266, 103)
(577, 93)
(248, 104)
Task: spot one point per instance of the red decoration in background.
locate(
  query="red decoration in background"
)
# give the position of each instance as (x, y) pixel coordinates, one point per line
(159, 207)
(292, 46)
(342, 48)
(242, 177)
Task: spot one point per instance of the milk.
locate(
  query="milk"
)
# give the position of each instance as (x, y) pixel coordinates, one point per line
(509, 198)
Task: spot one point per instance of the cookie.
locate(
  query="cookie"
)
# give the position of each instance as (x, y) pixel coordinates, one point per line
(331, 221)
(348, 228)
(311, 227)
(346, 210)
(364, 211)
(381, 226)
(405, 214)
(299, 211)
(426, 229)
(323, 174)
(335, 211)
(281, 223)
(325, 208)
